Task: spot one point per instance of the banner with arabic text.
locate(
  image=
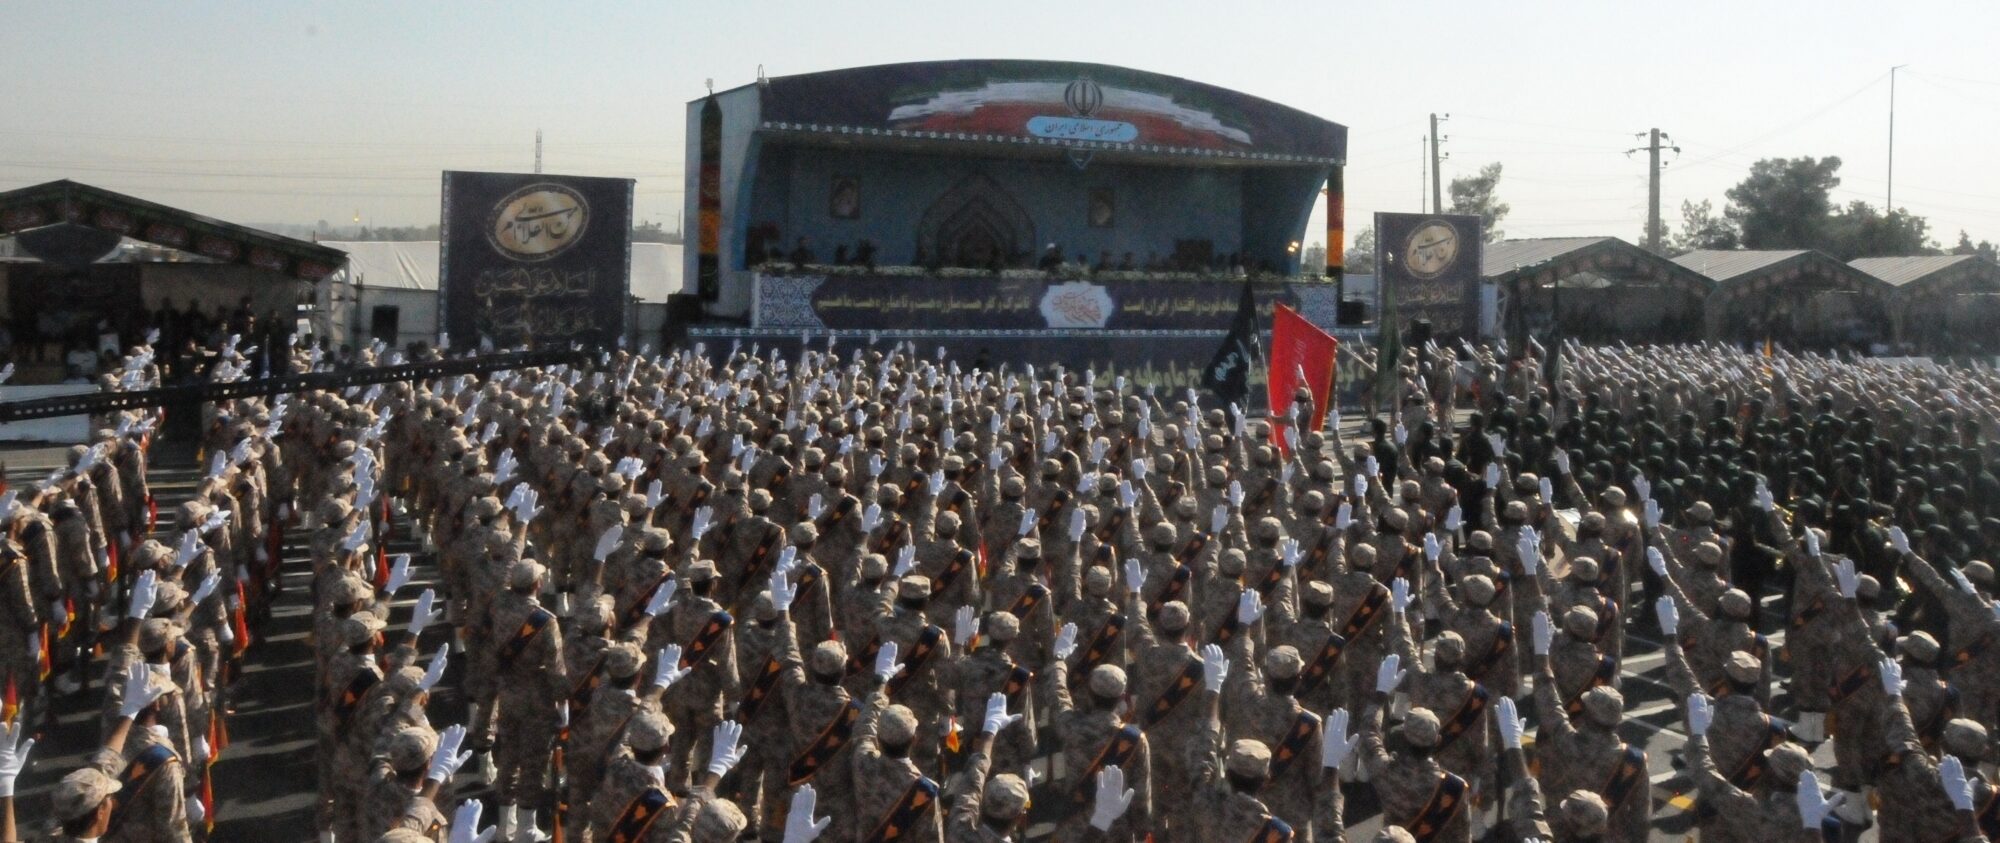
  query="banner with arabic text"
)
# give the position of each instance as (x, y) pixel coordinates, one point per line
(533, 258)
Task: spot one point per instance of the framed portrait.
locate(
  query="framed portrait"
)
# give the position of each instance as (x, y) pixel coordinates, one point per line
(1103, 208)
(844, 202)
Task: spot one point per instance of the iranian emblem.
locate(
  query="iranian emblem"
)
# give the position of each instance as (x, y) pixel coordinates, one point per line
(538, 222)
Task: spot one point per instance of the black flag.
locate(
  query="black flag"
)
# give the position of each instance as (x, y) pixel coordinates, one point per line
(1228, 375)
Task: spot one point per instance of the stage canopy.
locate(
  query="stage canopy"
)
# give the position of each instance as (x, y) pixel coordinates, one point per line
(1054, 106)
(67, 216)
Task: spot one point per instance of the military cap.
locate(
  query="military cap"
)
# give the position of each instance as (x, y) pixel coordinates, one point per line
(156, 634)
(1604, 706)
(1515, 511)
(1396, 518)
(596, 615)
(898, 725)
(1585, 569)
(1283, 662)
(1708, 553)
(1006, 797)
(1107, 681)
(1162, 533)
(700, 570)
(622, 660)
(81, 792)
(655, 540)
(1734, 604)
(1097, 581)
(1743, 667)
(803, 533)
(1420, 728)
(1450, 648)
(1965, 738)
(649, 731)
(760, 500)
(1580, 621)
(828, 658)
(1318, 595)
(1269, 527)
(1002, 627)
(167, 598)
(947, 522)
(1480, 540)
(913, 587)
(1393, 834)
(405, 681)
(1028, 549)
(953, 462)
(1232, 562)
(525, 574)
(874, 566)
(1478, 589)
(411, 748)
(1361, 556)
(1013, 487)
(719, 819)
(1583, 814)
(485, 507)
(762, 608)
(1173, 616)
(1701, 512)
(1920, 646)
(360, 628)
(1787, 760)
(1249, 759)
(1978, 572)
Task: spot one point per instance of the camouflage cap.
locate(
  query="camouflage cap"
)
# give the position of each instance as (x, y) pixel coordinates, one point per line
(1787, 760)
(1248, 758)
(1604, 706)
(898, 725)
(719, 820)
(1743, 667)
(1283, 662)
(760, 500)
(1450, 648)
(525, 574)
(1920, 646)
(947, 522)
(874, 566)
(1582, 814)
(649, 731)
(1006, 797)
(1318, 595)
(1173, 616)
(1478, 589)
(913, 587)
(828, 658)
(1965, 738)
(411, 747)
(1097, 581)
(1515, 511)
(1028, 549)
(1002, 627)
(1393, 834)
(623, 659)
(1420, 728)
(156, 634)
(1580, 621)
(1107, 680)
(1269, 527)
(81, 792)
(1162, 533)
(360, 628)
(700, 570)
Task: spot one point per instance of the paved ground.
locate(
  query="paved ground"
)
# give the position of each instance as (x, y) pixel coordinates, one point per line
(266, 780)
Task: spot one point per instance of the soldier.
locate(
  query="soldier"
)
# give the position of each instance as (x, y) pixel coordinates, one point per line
(1767, 810)
(701, 628)
(1262, 705)
(1415, 791)
(135, 781)
(1167, 673)
(1914, 805)
(1585, 754)
(532, 680)
(891, 796)
(821, 713)
(403, 787)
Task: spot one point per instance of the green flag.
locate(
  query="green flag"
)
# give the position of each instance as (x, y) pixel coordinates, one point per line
(1388, 348)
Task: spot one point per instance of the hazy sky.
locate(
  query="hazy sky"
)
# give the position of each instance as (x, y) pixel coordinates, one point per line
(295, 112)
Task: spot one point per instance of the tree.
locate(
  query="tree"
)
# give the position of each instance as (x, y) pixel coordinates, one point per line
(1701, 228)
(1785, 203)
(1478, 195)
(1861, 231)
(1359, 259)
(1985, 249)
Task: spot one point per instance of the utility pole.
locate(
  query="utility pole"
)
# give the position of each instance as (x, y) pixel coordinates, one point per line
(1890, 202)
(1654, 227)
(538, 151)
(1437, 182)
(1423, 173)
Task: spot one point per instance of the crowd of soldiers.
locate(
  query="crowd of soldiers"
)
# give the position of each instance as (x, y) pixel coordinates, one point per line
(864, 594)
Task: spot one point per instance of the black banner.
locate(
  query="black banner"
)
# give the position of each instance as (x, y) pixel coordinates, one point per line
(988, 303)
(1429, 265)
(530, 258)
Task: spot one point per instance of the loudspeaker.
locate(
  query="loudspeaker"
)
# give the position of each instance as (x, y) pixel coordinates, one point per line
(1350, 313)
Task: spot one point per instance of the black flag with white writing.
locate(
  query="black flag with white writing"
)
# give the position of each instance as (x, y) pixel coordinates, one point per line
(1228, 375)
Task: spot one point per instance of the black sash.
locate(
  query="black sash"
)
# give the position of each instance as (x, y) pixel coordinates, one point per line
(696, 651)
(1102, 644)
(1117, 752)
(1112, 525)
(760, 689)
(1028, 601)
(1503, 640)
(638, 608)
(1752, 768)
(1468, 713)
(350, 697)
(639, 816)
(1297, 740)
(830, 742)
(1607, 670)
(921, 652)
(952, 571)
(137, 774)
(1174, 694)
(919, 799)
(1322, 663)
(1625, 778)
(1274, 830)
(1176, 587)
(1447, 799)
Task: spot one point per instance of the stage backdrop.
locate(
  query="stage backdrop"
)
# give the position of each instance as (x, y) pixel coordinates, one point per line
(1429, 265)
(532, 258)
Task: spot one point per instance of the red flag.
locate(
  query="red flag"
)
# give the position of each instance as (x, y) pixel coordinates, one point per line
(153, 511)
(238, 625)
(110, 563)
(10, 700)
(44, 657)
(1298, 345)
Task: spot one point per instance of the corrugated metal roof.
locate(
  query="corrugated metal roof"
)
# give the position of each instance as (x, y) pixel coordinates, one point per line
(413, 265)
(1725, 265)
(1900, 271)
(1506, 255)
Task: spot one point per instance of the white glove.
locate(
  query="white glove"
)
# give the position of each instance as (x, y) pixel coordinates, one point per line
(1813, 805)
(782, 592)
(1652, 511)
(906, 559)
(1454, 518)
(871, 517)
(607, 542)
(1214, 668)
(399, 574)
(201, 592)
(1432, 547)
(1892, 678)
(465, 824)
(1498, 444)
(1399, 594)
(13, 755)
(426, 613)
(1670, 616)
(1128, 496)
(1028, 519)
(1562, 462)
(815, 506)
(935, 482)
(667, 667)
(1359, 486)
(1846, 578)
(1112, 799)
(144, 591)
(1371, 467)
(886, 667)
(1334, 742)
(1390, 674)
(1700, 714)
(1544, 632)
(195, 812)
(1065, 643)
(1529, 550)
(1401, 433)
(1548, 490)
(1951, 774)
(1076, 525)
(800, 827)
(662, 596)
(1642, 486)
(446, 759)
(1510, 723)
(1218, 518)
(1344, 516)
(1492, 476)
(997, 717)
(1249, 609)
(434, 673)
(965, 624)
(655, 493)
(1288, 552)
(1139, 469)
(704, 517)
(1899, 540)
(727, 747)
(1764, 499)
(1656, 561)
(1812, 544)
(1135, 578)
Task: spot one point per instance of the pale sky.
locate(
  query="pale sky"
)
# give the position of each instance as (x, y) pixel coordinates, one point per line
(295, 112)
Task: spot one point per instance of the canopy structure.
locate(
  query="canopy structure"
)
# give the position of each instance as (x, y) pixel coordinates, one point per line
(1942, 302)
(63, 206)
(1604, 287)
(1047, 107)
(1794, 296)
